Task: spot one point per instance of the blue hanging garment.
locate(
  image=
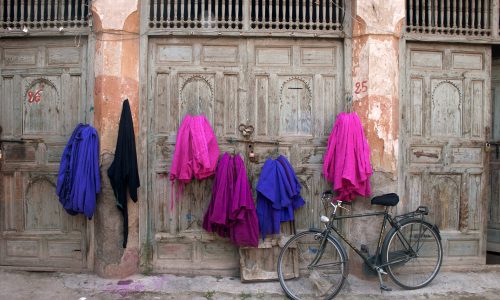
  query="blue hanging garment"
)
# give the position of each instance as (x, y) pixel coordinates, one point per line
(79, 180)
(278, 195)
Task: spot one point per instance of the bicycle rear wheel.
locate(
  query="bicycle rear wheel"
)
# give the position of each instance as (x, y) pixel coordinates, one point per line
(309, 270)
(413, 254)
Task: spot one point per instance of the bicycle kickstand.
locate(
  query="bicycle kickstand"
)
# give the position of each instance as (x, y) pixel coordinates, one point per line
(383, 287)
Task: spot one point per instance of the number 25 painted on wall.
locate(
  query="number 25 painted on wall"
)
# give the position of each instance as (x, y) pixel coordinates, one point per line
(361, 87)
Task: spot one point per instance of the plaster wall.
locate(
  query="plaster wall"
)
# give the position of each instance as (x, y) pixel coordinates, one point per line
(375, 64)
(116, 24)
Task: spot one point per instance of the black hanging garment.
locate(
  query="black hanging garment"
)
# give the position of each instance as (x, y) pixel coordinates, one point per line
(123, 171)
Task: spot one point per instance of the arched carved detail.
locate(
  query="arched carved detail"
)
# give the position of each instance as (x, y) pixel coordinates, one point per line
(446, 109)
(296, 107)
(43, 81)
(39, 178)
(449, 82)
(193, 78)
(306, 84)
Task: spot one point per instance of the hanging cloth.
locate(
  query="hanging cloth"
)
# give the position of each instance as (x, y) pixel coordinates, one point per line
(278, 195)
(123, 173)
(195, 155)
(217, 215)
(243, 222)
(347, 158)
(79, 179)
(231, 212)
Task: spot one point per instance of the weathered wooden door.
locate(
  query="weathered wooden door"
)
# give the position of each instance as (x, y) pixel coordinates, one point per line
(288, 90)
(43, 94)
(295, 94)
(494, 200)
(446, 121)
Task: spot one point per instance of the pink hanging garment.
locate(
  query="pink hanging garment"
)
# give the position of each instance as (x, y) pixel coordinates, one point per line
(347, 158)
(195, 155)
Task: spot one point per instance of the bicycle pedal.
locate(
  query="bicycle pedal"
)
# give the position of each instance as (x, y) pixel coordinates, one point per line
(384, 287)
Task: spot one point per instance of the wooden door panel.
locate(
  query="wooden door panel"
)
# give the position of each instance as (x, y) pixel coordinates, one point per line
(289, 91)
(446, 108)
(195, 76)
(43, 211)
(42, 82)
(445, 125)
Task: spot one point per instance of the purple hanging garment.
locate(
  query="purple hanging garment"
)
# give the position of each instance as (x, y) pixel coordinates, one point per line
(278, 195)
(79, 179)
(231, 212)
(244, 225)
(217, 217)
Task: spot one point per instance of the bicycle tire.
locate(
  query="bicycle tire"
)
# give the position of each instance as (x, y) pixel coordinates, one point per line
(322, 281)
(412, 271)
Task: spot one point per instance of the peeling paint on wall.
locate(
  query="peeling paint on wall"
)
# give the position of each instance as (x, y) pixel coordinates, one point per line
(116, 78)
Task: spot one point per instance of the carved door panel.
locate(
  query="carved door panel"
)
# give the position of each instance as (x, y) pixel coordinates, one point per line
(43, 87)
(191, 76)
(446, 123)
(288, 90)
(294, 95)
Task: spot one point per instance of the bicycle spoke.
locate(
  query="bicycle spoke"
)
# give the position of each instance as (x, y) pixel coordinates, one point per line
(413, 255)
(321, 267)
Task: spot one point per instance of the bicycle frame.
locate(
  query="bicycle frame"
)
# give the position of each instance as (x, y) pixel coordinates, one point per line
(387, 219)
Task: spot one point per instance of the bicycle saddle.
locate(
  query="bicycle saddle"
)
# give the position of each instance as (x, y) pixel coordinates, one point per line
(387, 199)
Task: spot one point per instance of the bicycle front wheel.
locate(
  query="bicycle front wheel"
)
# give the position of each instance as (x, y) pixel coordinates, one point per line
(310, 268)
(413, 254)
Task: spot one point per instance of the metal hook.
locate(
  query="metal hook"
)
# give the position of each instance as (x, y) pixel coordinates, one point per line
(348, 104)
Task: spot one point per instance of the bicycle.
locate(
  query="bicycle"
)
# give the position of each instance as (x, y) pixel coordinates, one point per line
(314, 264)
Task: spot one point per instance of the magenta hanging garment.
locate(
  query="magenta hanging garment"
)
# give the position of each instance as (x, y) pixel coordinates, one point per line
(244, 225)
(347, 158)
(196, 153)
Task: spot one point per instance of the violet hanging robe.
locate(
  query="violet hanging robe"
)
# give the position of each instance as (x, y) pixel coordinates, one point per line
(291, 185)
(67, 168)
(79, 179)
(278, 195)
(216, 218)
(123, 172)
(244, 225)
(268, 205)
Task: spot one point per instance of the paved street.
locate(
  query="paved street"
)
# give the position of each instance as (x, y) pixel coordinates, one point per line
(48, 285)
